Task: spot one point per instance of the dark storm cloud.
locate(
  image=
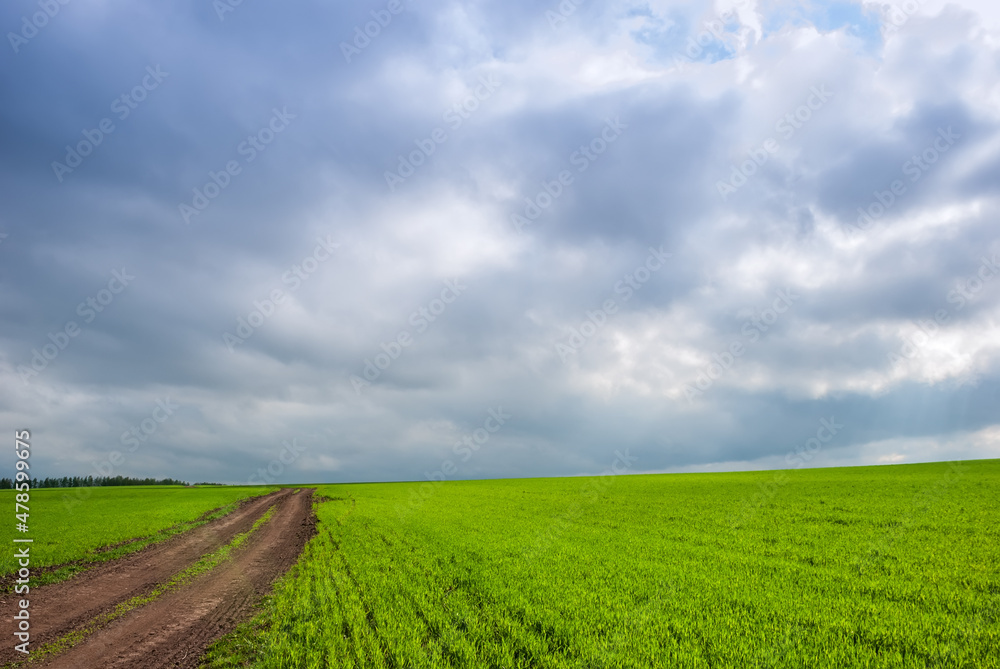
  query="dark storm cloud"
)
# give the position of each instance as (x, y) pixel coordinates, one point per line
(244, 187)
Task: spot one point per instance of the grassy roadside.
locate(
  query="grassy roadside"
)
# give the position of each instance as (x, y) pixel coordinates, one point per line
(110, 524)
(236, 649)
(203, 565)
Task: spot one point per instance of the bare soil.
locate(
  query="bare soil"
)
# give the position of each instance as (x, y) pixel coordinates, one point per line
(176, 629)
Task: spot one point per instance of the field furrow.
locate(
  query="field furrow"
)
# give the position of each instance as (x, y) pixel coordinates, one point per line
(655, 571)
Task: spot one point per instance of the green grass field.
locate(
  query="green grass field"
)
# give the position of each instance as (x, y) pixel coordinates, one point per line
(79, 524)
(895, 566)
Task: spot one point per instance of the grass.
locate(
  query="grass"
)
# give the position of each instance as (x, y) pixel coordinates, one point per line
(73, 528)
(204, 564)
(895, 566)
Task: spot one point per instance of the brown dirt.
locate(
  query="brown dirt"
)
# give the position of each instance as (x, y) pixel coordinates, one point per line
(174, 630)
(7, 582)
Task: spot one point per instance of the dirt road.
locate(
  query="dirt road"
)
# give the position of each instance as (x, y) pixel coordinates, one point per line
(174, 630)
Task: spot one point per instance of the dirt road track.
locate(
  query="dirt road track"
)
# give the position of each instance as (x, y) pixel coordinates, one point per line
(174, 630)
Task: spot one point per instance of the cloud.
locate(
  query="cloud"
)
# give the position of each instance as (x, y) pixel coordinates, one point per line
(756, 143)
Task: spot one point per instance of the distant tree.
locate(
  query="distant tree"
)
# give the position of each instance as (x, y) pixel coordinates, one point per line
(91, 481)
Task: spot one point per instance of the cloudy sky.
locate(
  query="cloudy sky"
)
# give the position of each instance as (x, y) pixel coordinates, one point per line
(399, 239)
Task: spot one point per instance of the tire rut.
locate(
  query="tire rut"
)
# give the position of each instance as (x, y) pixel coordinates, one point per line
(61, 608)
(176, 629)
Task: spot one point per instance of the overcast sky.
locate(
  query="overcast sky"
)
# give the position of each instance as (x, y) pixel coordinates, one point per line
(399, 239)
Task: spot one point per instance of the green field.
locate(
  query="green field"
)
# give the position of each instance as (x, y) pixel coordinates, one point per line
(895, 566)
(97, 524)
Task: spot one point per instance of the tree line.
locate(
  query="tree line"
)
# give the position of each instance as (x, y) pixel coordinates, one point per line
(88, 482)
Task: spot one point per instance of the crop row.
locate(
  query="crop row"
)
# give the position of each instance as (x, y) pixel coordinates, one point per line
(877, 567)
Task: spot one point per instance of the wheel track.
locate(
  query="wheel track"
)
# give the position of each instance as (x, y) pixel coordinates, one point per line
(176, 629)
(63, 607)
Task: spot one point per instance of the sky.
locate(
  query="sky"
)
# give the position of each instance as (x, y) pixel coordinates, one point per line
(398, 240)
